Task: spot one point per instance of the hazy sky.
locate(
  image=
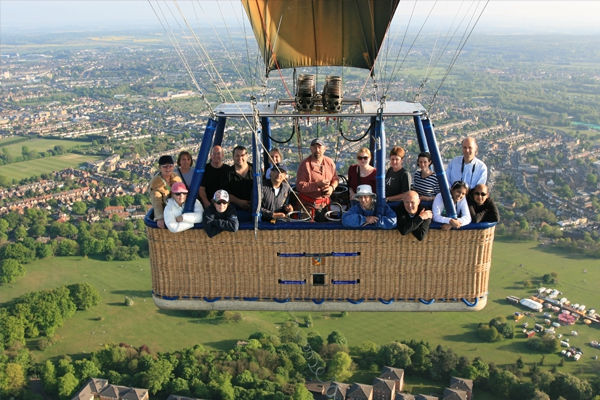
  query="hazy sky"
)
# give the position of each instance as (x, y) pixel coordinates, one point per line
(569, 17)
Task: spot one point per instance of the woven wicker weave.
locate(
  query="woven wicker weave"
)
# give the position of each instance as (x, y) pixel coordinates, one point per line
(368, 265)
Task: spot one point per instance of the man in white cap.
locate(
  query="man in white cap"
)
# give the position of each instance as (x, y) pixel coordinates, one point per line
(220, 216)
(316, 178)
(364, 213)
(175, 219)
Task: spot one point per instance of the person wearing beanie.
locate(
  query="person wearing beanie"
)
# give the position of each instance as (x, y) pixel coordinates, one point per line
(220, 216)
(160, 188)
(175, 219)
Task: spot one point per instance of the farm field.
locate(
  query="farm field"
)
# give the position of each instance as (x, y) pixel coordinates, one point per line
(25, 169)
(41, 144)
(143, 323)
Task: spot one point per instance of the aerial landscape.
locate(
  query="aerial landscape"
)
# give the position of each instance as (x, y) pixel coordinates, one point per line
(97, 99)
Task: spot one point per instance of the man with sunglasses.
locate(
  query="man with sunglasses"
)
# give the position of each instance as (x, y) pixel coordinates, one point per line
(220, 216)
(467, 168)
(238, 182)
(175, 219)
(481, 205)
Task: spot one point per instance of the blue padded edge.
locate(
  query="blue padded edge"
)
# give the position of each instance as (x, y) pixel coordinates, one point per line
(267, 226)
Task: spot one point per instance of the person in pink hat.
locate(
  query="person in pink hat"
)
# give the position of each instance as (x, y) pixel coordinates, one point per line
(175, 219)
(220, 215)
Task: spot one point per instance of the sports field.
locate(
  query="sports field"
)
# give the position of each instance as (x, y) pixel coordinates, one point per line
(26, 169)
(40, 145)
(161, 330)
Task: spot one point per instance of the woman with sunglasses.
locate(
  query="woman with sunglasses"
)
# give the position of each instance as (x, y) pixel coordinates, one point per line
(458, 192)
(219, 216)
(362, 173)
(160, 188)
(175, 219)
(424, 180)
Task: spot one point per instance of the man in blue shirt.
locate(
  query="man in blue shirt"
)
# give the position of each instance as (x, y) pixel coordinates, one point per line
(467, 168)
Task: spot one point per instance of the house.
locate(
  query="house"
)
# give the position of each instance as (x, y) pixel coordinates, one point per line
(408, 396)
(100, 389)
(395, 374)
(462, 384)
(337, 391)
(454, 394)
(359, 391)
(383, 389)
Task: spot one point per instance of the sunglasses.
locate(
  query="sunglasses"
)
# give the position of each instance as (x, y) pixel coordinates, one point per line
(362, 157)
(221, 202)
(479, 193)
(179, 194)
(460, 184)
(167, 166)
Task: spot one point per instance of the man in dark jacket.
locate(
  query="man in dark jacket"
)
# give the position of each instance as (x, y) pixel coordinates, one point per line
(220, 215)
(481, 205)
(413, 217)
(276, 195)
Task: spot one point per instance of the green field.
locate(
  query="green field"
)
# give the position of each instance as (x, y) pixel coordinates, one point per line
(161, 330)
(26, 169)
(40, 145)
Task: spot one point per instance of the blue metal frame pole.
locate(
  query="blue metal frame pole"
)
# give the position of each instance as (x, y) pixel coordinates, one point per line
(380, 152)
(372, 139)
(440, 173)
(205, 147)
(420, 134)
(220, 129)
(257, 176)
(266, 139)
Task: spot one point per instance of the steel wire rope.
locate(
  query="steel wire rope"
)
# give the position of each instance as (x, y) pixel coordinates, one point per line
(181, 56)
(251, 74)
(444, 46)
(396, 67)
(389, 44)
(218, 89)
(372, 69)
(273, 54)
(244, 117)
(223, 44)
(458, 52)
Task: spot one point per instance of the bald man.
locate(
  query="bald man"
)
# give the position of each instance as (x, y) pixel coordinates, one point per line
(481, 205)
(413, 217)
(467, 168)
(213, 172)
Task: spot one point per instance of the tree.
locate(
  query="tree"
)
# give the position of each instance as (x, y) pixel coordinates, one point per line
(443, 362)
(67, 384)
(337, 337)
(570, 387)
(316, 341)
(420, 360)
(539, 395)
(84, 295)
(302, 393)
(20, 233)
(11, 270)
(14, 379)
(308, 321)
(18, 252)
(501, 382)
(12, 330)
(68, 247)
(339, 366)
(159, 374)
(395, 355)
(289, 333)
(79, 207)
(85, 369)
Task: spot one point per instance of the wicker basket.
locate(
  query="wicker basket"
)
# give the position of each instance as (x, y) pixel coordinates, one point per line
(321, 269)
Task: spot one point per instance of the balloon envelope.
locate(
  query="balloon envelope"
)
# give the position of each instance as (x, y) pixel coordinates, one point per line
(319, 32)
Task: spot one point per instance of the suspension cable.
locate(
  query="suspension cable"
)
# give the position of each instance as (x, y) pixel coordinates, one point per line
(458, 52)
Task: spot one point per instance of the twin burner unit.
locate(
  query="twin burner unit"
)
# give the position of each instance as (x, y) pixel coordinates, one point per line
(307, 97)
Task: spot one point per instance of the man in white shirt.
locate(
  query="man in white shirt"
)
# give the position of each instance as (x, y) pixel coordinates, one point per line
(467, 168)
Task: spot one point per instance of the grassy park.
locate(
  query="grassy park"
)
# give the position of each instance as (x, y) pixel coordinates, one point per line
(25, 169)
(40, 144)
(143, 323)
